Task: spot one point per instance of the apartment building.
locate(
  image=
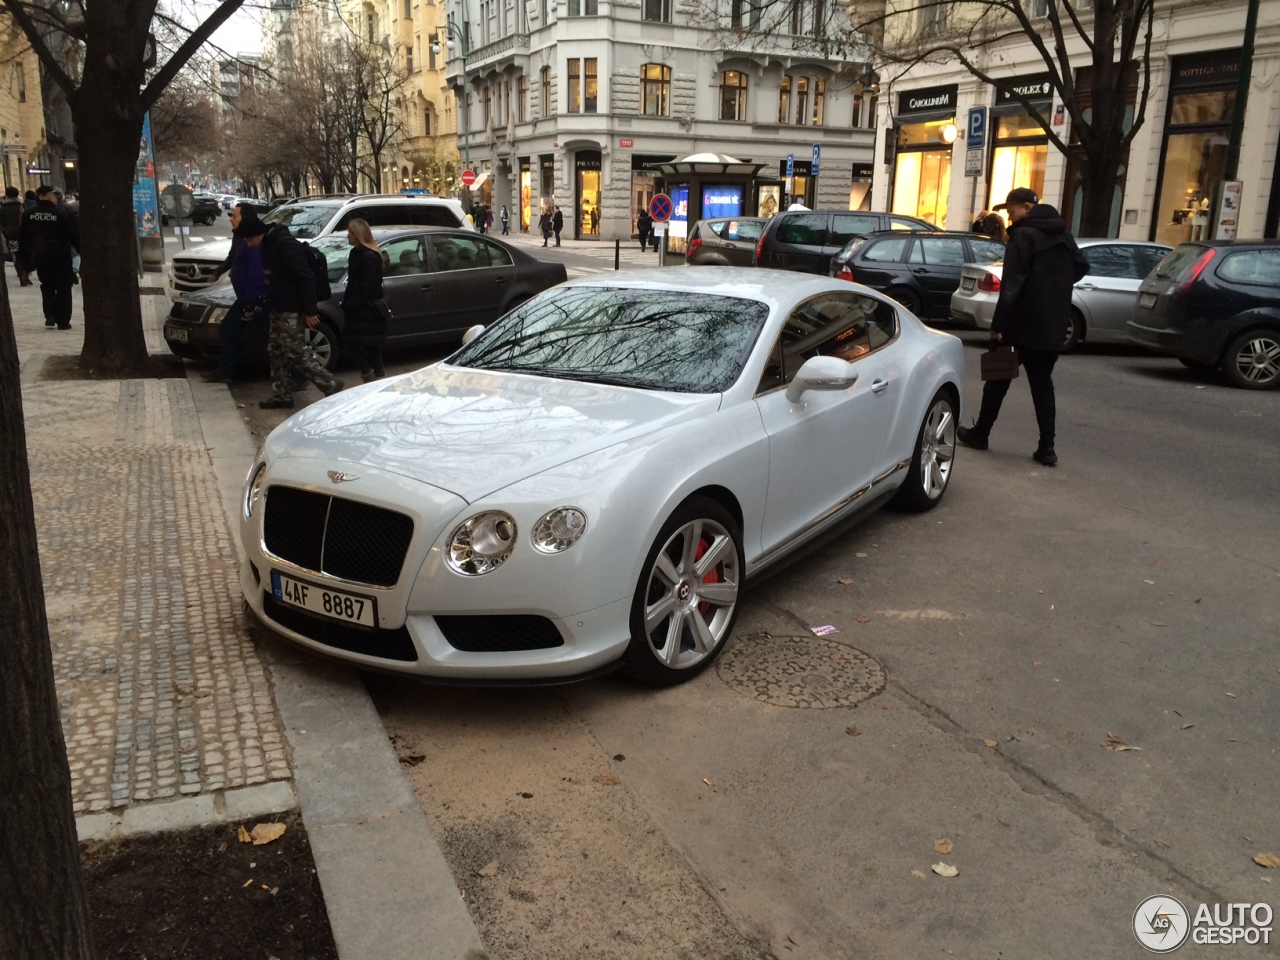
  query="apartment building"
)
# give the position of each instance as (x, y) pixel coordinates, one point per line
(27, 160)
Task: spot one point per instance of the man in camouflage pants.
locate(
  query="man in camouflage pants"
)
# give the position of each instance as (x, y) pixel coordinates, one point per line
(292, 303)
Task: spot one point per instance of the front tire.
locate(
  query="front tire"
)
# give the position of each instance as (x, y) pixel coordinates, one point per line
(931, 463)
(1252, 360)
(686, 600)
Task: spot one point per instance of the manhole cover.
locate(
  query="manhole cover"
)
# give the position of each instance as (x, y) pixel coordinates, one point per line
(810, 672)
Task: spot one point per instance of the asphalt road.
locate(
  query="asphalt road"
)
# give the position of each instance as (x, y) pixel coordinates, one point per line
(1130, 596)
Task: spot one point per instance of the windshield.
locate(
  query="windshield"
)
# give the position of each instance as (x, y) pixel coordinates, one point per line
(303, 220)
(651, 339)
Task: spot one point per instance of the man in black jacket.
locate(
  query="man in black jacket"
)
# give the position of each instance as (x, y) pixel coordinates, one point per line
(1041, 265)
(292, 302)
(49, 237)
(557, 224)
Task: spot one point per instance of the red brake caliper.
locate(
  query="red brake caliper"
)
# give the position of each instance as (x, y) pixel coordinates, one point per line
(712, 577)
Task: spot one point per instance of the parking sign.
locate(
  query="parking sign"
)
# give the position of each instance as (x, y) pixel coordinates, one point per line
(976, 136)
(816, 152)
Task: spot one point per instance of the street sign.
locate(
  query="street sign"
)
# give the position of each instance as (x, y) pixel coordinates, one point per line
(468, 177)
(976, 135)
(791, 165)
(177, 202)
(626, 142)
(973, 163)
(813, 170)
(661, 207)
(14, 149)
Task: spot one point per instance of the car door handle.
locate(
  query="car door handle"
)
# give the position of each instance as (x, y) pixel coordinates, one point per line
(1085, 286)
(499, 279)
(920, 270)
(879, 386)
(427, 288)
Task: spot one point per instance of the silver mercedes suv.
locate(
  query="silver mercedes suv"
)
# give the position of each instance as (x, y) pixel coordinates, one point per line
(310, 217)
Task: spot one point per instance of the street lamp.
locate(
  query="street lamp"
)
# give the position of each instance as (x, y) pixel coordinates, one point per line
(453, 31)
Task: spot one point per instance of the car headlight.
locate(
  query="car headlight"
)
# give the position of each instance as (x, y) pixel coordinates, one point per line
(559, 529)
(253, 490)
(482, 543)
(216, 315)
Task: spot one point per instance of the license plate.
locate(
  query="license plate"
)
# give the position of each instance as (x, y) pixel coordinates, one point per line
(175, 333)
(967, 284)
(1147, 300)
(335, 604)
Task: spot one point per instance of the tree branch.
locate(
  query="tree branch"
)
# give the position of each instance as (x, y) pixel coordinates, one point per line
(194, 42)
(18, 10)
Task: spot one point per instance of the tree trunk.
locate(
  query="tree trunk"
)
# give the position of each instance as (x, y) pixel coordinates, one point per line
(108, 121)
(43, 913)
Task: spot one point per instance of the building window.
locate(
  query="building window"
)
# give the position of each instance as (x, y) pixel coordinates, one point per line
(522, 103)
(582, 8)
(498, 115)
(546, 91)
(426, 122)
(733, 95)
(795, 15)
(408, 59)
(744, 14)
(371, 24)
(865, 95)
(802, 100)
(431, 50)
(655, 90)
(590, 89)
(486, 118)
(575, 85)
(819, 18)
(1038, 9)
(658, 11)
(408, 9)
(933, 18)
(784, 100)
(819, 100)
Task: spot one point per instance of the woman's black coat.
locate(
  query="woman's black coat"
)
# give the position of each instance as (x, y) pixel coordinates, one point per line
(360, 302)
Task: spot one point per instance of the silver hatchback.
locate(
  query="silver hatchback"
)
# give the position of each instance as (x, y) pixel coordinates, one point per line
(1101, 303)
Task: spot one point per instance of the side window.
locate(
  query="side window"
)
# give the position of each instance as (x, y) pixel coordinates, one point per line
(496, 255)
(886, 251)
(1252, 266)
(1148, 257)
(374, 216)
(807, 229)
(942, 251)
(917, 253)
(427, 215)
(844, 325)
(717, 227)
(1114, 260)
(901, 223)
(986, 251)
(846, 226)
(403, 258)
(463, 253)
(748, 231)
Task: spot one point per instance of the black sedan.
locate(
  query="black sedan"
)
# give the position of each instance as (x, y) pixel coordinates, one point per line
(919, 270)
(1216, 304)
(437, 282)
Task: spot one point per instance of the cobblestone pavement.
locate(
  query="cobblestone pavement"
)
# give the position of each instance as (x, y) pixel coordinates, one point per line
(162, 692)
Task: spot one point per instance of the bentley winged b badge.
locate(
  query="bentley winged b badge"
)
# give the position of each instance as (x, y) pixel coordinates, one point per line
(337, 476)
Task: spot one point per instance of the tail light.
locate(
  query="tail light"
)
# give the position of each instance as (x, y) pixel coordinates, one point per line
(1196, 269)
(693, 247)
(989, 283)
(845, 274)
(759, 248)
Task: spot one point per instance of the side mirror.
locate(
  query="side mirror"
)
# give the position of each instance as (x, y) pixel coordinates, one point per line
(472, 333)
(821, 373)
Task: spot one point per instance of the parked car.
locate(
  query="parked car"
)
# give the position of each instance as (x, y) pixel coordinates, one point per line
(806, 240)
(312, 217)
(724, 241)
(1216, 304)
(228, 200)
(590, 481)
(919, 270)
(1101, 303)
(206, 210)
(437, 283)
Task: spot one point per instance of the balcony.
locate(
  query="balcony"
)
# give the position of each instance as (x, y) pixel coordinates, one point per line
(492, 56)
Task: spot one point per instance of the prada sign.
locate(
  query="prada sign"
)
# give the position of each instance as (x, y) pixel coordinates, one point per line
(927, 101)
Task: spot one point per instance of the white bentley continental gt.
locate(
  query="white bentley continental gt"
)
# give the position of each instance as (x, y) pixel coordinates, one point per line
(591, 481)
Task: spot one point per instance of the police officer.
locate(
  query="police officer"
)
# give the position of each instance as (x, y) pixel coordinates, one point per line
(49, 237)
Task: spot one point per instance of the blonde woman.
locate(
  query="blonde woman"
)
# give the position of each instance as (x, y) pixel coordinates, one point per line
(363, 308)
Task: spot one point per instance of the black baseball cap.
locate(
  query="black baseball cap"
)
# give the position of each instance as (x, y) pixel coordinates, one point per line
(1018, 195)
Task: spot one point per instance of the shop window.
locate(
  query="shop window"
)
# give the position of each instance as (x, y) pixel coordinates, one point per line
(658, 11)
(733, 95)
(655, 90)
(921, 181)
(784, 100)
(575, 85)
(1017, 165)
(819, 100)
(546, 91)
(802, 100)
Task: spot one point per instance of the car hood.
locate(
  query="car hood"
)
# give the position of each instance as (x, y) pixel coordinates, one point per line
(214, 250)
(471, 431)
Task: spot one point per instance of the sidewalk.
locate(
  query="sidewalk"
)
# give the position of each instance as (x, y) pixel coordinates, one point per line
(629, 253)
(173, 715)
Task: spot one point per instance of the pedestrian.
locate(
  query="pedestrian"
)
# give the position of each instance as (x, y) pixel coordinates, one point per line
(11, 211)
(644, 225)
(488, 218)
(292, 302)
(557, 224)
(1041, 265)
(364, 312)
(595, 219)
(989, 224)
(544, 226)
(250, 306)
(49, 237)
(505, 219)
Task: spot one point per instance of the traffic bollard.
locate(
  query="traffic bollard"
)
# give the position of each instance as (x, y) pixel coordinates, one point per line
(617, 254)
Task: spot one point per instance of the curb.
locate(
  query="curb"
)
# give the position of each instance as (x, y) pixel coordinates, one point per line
(388, 891)
(223, 806)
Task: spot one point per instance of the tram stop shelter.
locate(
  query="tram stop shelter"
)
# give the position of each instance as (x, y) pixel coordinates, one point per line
(705, 185)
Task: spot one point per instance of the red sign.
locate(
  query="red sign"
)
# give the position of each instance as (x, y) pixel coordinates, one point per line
(468, 177)
(626, 142)
(660, 207)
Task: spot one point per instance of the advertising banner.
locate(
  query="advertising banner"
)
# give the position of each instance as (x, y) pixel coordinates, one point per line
(680, 211)
(146, 199)
(721, 200)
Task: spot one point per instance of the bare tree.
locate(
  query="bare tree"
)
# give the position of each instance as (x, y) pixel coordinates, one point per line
(185, 122)
(378, 88)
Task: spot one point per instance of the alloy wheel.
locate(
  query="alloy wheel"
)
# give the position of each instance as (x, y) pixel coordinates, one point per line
(691, 594)
(1258, 359)
(937, 449)
(319, 344)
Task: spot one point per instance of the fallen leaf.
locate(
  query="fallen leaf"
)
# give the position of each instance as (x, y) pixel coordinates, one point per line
(1265, 879)
(792, 939)
(861, 556)
(991, 743)
(707, 782)
(862, 619)
(490, 869)
(243, 834)
(1037, 663)
(918, 874)
(412, 760)
(619, 757)
(1152, 582)
(274, 891)
(265, 887)
(526, 795)
(943, 846)
(944, 870)
(845, 580)
(266, 832)
(1231, 695)
(608, 779)
(1159, 563)
(1115, 743)
(1268, 860)
(1187, 726)
(222, 848)
(853, 731)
